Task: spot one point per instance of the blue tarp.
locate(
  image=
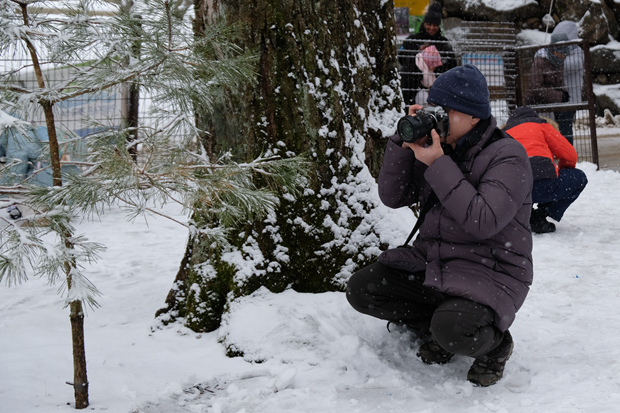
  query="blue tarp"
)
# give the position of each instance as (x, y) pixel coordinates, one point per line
(27, 148)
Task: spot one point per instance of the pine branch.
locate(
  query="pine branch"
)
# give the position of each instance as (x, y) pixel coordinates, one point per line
(183, 75)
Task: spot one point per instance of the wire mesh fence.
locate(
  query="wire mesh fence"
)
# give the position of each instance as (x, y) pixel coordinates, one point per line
(512, 76)
(76, 114)
(488, 46)
(491, 48)
(556, 81)
(79, 115)
(421, 61)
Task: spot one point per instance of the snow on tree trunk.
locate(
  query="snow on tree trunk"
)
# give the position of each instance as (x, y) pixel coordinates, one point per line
(327, 87)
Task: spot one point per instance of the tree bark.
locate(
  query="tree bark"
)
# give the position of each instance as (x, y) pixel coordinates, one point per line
(130, 106)
(76, 317)
(326, 86)
(80, 380)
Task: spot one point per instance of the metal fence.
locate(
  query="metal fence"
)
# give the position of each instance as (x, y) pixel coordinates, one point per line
(488, 46)
(541, 84)
(76, 116)
(492, 47)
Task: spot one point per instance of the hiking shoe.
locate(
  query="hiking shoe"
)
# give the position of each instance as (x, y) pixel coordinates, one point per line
(539, 223)
(432, 353)
(489, 369)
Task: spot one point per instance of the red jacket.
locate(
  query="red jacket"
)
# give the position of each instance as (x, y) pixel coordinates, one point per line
(542, 142)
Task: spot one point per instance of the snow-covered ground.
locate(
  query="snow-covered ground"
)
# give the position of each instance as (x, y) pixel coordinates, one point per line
(312, 352)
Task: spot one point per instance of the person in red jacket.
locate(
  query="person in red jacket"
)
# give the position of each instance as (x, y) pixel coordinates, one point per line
(556, 186)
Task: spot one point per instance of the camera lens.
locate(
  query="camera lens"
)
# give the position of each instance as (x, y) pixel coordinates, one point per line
(405, 130)
(413, 128)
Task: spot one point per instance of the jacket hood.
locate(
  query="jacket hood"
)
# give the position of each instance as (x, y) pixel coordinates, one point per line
(570, 29)
(521, 115)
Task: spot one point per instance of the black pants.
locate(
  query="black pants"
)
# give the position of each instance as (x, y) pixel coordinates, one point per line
(565, 124)
(459, 325)
(554, 196)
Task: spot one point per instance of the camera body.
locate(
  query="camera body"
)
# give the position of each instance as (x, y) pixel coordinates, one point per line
(413, 128)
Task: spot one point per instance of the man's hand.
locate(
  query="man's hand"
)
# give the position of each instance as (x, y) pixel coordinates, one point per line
(414, 108)
(423, 153)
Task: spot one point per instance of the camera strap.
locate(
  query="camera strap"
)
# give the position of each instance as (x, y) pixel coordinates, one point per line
(430, 202)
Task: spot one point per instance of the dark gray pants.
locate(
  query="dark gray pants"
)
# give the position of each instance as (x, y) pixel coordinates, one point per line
(459, 325)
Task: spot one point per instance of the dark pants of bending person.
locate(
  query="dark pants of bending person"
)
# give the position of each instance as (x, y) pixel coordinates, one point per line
(554, 196)
(459, 325)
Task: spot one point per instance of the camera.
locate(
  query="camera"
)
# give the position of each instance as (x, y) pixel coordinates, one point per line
(414, 128)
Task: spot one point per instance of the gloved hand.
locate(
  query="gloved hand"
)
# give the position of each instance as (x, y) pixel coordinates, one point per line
(565, 96)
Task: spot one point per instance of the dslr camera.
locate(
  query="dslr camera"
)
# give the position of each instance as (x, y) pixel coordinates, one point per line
(414, 128)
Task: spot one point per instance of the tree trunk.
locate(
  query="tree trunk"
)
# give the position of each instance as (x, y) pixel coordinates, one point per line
(130, 100)
(76, 317)
(327, 87)
(80, 380)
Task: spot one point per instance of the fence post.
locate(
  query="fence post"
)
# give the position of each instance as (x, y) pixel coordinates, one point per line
(591, 102)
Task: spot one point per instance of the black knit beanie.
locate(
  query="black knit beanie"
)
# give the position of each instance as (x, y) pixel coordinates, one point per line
(463, 89)
(433, 15)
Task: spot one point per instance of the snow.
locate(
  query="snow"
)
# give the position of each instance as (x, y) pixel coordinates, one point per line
(499, 5)
(613, 45)
(612, 91)
(313, 352)
(533, 37)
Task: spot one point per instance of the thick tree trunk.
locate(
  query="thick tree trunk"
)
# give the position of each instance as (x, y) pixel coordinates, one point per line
(327, 87)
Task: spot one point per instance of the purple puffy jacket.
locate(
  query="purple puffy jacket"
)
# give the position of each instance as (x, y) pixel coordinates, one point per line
(476, 241)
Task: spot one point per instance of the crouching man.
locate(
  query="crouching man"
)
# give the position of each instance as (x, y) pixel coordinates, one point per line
(469, 269)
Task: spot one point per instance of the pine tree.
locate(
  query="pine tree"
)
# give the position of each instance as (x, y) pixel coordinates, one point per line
(183, 75)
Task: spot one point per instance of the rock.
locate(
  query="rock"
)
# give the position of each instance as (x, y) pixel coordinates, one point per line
(609, 118)
(477, 10)
(598, 20)
(605, 103)
(605, 60)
